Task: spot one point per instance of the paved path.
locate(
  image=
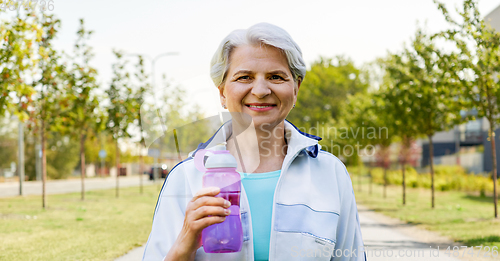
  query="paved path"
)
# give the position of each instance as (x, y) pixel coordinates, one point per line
(387, 239)
(384, 236)
(11, 189)
(133, 255)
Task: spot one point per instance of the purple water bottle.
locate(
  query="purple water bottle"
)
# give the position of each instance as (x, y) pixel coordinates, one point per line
(220, 171)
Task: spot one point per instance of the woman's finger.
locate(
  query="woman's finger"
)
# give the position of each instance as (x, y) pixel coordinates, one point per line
(206, 211)
(208, 191)
(207, 221)
(210, 201)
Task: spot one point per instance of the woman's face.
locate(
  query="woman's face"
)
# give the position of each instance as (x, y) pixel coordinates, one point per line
(260, 84)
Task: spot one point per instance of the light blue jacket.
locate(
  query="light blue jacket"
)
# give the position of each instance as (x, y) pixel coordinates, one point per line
(314, 212)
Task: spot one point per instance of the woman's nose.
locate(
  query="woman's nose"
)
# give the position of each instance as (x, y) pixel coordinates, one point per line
(260, 88)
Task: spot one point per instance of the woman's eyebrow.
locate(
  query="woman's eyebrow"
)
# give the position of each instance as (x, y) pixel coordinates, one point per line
(242, 72)
(278, 72)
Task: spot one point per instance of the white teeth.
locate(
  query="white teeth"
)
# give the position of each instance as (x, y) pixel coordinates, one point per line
(255, 106)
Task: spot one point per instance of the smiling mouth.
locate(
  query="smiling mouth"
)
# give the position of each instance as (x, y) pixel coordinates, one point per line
(260, 106)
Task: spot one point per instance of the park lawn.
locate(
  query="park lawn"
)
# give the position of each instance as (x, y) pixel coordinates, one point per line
(102, 227)
(465, 218)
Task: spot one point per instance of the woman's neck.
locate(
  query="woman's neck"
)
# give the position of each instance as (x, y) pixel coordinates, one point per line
(258, 149)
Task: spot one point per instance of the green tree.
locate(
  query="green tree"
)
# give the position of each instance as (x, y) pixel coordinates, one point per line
(323, 93)
(30, 153)
(370, 126)
(50, 87)
(475, 66)
(122, 109)
(17, 60)
(62, 155)
(92, 147)
(8, 141)
(422, 92)
(143, 90)
(80, 106)
(398, 99)
(189, 124)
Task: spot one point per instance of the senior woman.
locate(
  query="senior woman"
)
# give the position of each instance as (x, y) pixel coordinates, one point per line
(297, 201)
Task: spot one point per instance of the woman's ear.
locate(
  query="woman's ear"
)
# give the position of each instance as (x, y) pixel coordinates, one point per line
(296, 90)
(297, 86)
(221, 95)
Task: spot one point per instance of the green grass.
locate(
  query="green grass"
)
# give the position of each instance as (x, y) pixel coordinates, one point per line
(102, 227)
(463, 217)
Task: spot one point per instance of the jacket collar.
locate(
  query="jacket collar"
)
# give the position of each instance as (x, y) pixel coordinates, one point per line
(296, 140)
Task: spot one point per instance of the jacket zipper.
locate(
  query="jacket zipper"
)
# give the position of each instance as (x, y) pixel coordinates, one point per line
(250, 255)
(283, 171)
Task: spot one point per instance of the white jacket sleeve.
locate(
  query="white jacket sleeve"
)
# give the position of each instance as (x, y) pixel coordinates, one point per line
(349, 239)
(169, 215)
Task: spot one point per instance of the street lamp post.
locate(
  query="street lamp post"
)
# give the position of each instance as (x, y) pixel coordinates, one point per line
(153, 63)
(21, 157)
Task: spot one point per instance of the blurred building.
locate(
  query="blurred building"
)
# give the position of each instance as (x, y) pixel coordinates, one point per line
(493, 18)
(464, 145)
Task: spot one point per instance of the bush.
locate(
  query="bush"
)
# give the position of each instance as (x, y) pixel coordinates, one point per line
(445, 178)
(62, 157)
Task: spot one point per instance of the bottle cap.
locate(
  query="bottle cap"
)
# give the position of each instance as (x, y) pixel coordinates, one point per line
(221, 158)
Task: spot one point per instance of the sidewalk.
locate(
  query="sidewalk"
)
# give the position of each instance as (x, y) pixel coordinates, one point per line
(133, 255)
(11, 189)
(382, 236)
(385, 233)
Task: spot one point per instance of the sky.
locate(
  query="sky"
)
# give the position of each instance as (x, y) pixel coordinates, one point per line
(360, 29)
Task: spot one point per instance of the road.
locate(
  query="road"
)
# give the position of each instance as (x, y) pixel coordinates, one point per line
(11, 189)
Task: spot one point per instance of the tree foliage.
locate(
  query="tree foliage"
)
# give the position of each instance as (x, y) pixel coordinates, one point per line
(81, 103)
(475, 66)
(122, 109)
(323, 94)
(18, 40)
(421, 92)
(325, 89)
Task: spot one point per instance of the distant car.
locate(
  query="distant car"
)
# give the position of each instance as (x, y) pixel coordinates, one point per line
(162, 169)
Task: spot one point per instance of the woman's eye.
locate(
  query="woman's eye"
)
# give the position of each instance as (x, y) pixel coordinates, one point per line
(276, 77)
(244, 78)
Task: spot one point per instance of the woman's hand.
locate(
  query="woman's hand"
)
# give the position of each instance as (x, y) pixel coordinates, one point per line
(203, 210)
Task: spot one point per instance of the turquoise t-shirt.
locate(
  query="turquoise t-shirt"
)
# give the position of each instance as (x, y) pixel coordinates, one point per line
(259, 188)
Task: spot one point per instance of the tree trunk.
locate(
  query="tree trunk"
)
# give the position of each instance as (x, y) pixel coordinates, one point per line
(359, 181)
(371, 180)
(141, 170)
(44, 166)
(405, 151)
(404, 182)
(385, 181)
(431, 157)
(20, 162)
(82, 160)
(117, 168)
(494, 172)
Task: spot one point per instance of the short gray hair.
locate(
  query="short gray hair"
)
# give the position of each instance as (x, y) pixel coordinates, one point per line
(261, 33)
